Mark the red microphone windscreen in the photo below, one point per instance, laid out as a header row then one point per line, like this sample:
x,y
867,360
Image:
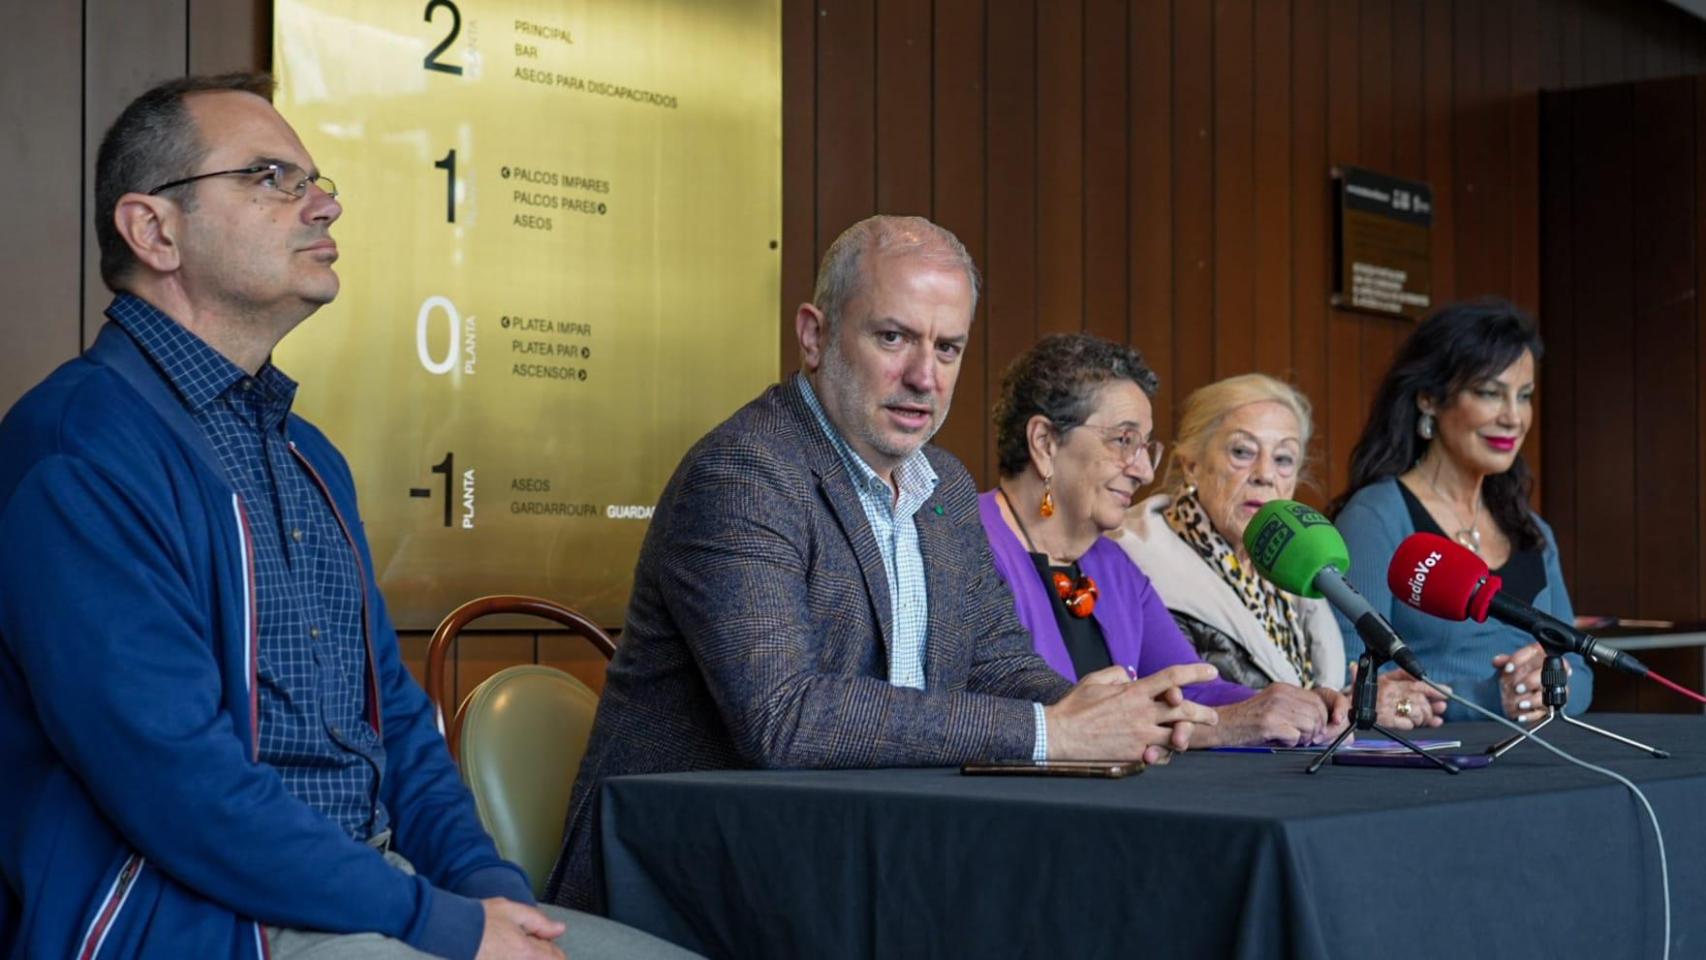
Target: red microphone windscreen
x,y
1437,577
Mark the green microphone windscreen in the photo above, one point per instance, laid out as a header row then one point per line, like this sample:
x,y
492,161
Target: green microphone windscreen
x,y
1290,542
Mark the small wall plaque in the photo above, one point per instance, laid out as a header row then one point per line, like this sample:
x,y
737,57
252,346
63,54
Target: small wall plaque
x,y
1381,249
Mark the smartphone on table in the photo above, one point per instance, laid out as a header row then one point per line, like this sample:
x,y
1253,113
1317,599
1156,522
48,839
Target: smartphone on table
x,y
1098,769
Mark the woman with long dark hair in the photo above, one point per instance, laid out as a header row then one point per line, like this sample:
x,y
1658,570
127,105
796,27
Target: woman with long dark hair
x,y
1440,453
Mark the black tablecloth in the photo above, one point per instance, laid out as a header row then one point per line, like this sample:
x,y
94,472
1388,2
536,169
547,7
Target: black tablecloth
x,y
1215,854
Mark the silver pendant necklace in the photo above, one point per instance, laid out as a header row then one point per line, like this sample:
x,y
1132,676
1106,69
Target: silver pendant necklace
x,y
1470,534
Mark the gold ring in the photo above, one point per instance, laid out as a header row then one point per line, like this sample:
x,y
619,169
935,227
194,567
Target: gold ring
x,y
1405,708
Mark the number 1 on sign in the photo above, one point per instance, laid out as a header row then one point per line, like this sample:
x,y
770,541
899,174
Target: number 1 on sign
x,y
447,163
447,466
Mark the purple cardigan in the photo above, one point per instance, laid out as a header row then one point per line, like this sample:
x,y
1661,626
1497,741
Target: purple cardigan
x,y
1139,630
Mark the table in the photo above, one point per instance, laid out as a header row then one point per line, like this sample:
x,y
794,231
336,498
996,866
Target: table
x,y
1673,651
1655,641
1213,855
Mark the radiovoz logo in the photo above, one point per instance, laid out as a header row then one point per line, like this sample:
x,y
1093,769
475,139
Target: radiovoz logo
x,y
1419,577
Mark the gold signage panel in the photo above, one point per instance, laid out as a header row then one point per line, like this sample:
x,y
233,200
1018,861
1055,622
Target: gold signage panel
x,y
559,264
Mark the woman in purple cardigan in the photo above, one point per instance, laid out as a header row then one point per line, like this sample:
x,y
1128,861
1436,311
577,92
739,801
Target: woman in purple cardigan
x,y
1073,430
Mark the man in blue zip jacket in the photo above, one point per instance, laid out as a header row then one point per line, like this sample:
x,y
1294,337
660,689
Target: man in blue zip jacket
x,y
210,745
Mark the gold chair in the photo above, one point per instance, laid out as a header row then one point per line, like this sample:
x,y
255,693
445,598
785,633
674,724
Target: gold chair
x,y
519,736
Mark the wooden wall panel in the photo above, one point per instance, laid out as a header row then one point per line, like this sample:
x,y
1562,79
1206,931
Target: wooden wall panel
x,y
846,176
1150,325
1438,47
124,53
1379,116
229,37
573,655
1273,188
800,244
1556,399
1524,188
1495,244
1474,129
1700,325
960,201
903,107
1601,192
1059,40
41,144
1010,189
1666,434
1193,197
1340,409
1106,158
1311,206
479,654
1234,219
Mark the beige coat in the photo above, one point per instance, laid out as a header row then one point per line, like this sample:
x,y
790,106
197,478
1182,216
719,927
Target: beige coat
x,y
1188,585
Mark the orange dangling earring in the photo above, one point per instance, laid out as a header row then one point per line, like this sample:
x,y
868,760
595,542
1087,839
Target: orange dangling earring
x,y
1047,508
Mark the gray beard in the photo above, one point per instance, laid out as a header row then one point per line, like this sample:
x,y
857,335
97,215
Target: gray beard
x,y
836,370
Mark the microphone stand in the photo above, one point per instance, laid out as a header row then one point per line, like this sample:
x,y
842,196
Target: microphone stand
x,y
1555,686
1364,699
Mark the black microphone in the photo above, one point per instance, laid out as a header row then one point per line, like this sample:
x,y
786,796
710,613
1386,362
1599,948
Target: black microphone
x,y
1555,633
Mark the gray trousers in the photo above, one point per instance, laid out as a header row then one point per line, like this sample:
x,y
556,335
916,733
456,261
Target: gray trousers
x,y
588,938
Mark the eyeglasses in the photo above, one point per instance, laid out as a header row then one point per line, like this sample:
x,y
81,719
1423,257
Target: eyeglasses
x,y
1128,445
287,178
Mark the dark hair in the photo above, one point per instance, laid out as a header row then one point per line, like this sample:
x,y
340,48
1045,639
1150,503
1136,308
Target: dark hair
x,y
153,141
1460,345
1058,379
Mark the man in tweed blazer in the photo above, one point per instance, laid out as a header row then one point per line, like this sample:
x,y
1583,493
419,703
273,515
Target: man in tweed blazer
x,y
816,589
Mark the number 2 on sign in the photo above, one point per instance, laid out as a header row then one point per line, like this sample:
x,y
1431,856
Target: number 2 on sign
x,y
430,62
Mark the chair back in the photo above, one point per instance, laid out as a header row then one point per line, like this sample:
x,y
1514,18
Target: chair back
x,y
524,732
451,627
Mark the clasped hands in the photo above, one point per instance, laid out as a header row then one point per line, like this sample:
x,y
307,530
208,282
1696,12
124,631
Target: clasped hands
x,y
1110,716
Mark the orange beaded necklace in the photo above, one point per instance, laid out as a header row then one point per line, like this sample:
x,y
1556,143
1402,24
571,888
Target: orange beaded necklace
x,y
1080,593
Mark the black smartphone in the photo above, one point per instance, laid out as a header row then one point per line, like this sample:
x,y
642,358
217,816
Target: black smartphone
x,y
1364,758
1100,769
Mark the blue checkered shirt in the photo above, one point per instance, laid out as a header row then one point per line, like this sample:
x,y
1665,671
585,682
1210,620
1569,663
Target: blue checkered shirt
x,y
314,728
891,519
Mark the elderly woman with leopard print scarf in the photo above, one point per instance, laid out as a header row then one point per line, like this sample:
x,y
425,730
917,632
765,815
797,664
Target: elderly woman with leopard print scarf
x,y
1241,443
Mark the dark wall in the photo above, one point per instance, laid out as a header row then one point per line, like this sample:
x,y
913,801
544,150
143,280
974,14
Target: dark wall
x,y
1623,177
1156,171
